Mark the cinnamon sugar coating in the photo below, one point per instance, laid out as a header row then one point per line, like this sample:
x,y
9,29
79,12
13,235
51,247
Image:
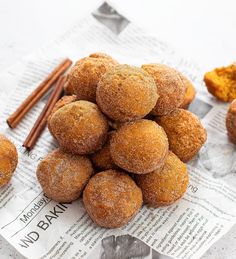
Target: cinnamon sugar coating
x,y
126,93
8,160
102,158
112,198
83,77
139,147
185,133
189,93
170,88
62,102
164,186
79,127
63,176
231,121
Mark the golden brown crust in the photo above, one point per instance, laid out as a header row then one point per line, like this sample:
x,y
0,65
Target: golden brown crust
x,y
83,77
221,82
102,158
164,186
8,160
189,93
79,127
63,176
170,88
185,133
126,93
62,102
139,147
231,121
101,55
112,198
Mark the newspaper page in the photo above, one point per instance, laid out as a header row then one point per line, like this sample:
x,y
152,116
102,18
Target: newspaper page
x,y
41,228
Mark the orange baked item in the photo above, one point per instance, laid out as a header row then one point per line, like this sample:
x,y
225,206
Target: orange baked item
x,y
189,93
164,186
170,88
102,158
79,127
62,102
185,133
231,121
126,93
221,82
112,199
63,176
8,160
139,147
83,77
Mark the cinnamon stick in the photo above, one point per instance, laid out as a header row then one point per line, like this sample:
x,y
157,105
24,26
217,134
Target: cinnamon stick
x,y
41,122
34,97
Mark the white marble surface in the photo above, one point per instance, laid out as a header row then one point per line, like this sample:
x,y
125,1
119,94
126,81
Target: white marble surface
x,y
200,30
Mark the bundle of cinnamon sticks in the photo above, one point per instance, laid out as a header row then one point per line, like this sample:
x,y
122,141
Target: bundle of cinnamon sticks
x,y
56,76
